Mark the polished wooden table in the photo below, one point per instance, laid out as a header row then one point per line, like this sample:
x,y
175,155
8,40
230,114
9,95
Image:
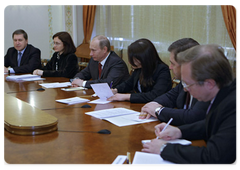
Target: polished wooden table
x,y
76,140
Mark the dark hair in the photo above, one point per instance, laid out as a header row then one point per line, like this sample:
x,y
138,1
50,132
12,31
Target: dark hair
x,y
208,62
181,45
103,41
20,31
68,44
144,51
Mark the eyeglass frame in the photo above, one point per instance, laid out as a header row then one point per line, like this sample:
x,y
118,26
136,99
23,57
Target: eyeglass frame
x,y
186,86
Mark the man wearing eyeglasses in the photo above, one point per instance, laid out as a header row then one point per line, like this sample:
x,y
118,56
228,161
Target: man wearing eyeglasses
x,y
207,76
23,57
177,103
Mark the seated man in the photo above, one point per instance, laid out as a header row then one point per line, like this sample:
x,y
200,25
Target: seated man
x,y
207,75
23,57
176,103
105,66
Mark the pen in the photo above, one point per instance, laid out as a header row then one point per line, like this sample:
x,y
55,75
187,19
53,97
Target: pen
x,y
129,158
111,84
166,125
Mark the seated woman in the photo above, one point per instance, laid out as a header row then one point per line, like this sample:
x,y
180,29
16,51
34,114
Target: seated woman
x,y
150,78
64,62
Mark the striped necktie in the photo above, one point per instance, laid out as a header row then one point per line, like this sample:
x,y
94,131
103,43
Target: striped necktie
x,y
19,58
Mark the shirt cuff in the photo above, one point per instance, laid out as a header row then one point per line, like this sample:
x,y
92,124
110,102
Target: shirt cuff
x,y
84,83
11,70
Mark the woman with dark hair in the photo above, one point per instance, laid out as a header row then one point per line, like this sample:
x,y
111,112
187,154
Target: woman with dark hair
x,y
150,78
64,62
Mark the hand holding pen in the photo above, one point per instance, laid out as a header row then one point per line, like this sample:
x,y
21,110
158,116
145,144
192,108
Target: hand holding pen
x,y
167,132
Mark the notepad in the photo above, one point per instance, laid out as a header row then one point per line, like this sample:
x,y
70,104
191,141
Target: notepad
x,y
120,116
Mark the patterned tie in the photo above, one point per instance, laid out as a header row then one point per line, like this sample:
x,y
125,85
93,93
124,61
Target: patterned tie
x,y
19,58
99,69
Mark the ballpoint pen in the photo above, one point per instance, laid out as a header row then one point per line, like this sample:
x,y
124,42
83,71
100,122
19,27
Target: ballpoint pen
x,y
111,84
166,125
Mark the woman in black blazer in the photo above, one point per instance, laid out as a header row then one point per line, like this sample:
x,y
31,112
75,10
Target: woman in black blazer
x,y
150,78
64,62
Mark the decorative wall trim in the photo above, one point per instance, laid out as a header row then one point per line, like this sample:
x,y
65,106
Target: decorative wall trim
x,y
50,30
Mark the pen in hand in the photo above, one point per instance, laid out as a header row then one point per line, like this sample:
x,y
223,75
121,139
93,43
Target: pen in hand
x,y
166,126
111,84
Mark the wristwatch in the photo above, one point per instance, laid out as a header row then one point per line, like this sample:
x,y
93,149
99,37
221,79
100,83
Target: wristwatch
x,y
158,110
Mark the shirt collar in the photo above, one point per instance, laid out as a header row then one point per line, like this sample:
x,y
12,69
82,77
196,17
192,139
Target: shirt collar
x,y
105,59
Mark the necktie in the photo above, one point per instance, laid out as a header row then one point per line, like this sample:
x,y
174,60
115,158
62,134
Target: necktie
x,y
187,100
99,69
19,58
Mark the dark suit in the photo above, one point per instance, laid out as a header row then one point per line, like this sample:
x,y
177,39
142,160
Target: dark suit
x,y
30,61
67,66
218,130
174,101
115,70
162,84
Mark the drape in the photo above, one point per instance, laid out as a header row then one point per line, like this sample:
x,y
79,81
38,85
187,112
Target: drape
x,y
229,15
88,21
83,50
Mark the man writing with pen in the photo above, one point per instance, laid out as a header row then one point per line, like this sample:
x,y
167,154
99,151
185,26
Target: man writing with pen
x,y
105,66
207,75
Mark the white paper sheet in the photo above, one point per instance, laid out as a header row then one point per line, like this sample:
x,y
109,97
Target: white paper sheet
x,y
22,77
55,85
73,100
148,158
103,91
120,159
120,116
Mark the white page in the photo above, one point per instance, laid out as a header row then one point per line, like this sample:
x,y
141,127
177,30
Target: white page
x,y
20,77
148,158
106,113
179,141
127,120
73,100
55,85
99,101
120,159
102,90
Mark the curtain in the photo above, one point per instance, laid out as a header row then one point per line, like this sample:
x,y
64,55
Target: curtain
x,y
124,24
229,15
83,50
88,21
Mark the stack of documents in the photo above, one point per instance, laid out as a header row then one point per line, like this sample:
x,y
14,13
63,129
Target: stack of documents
x,y
73,100
55,85
24,77
120,116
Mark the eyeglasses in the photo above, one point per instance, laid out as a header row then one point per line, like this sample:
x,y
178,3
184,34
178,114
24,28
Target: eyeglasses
x,y
186,86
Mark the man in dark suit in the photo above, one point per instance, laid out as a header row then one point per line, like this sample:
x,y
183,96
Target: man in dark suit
x,y
23,57
177,103
207,75
113,70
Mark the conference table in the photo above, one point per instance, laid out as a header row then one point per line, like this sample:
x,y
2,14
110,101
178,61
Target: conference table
x,y
76,140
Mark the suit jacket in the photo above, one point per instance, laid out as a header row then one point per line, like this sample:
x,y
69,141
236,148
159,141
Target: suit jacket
x,y
115,70
162,84
67,66
174,101
218,130
30,61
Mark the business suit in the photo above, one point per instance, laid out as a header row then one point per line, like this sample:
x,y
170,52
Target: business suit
x,y
114,70
173,103
162,84
218,130
30,60
67,66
